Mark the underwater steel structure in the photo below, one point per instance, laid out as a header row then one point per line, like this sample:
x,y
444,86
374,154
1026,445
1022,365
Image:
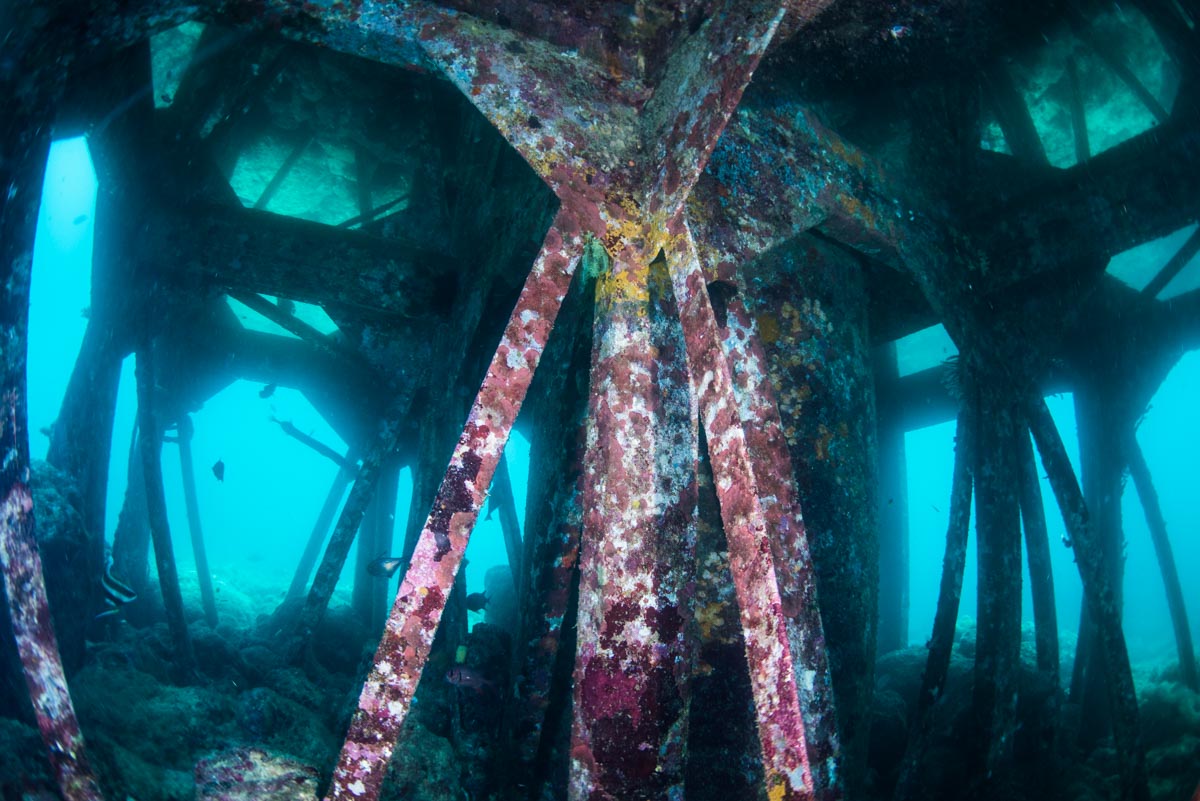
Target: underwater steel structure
x,y
668,190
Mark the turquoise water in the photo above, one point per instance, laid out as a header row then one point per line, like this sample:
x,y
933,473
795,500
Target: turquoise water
x,y
257,520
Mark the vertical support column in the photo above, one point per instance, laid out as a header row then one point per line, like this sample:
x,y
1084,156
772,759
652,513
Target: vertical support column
x,y
385,527
765,631
1102,471
1100,599
630,713
1037,549
351,518
809,303
150,444
1157,524
131,540
998,631
893,508
187,468
941,641
24,144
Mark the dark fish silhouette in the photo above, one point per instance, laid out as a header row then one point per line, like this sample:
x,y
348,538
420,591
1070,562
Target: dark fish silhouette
x,y
477,601
468,678
116,592
267,391
384,566
82,218
219,471
288,307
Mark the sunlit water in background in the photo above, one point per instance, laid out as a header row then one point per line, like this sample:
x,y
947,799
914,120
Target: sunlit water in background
x,y
258,519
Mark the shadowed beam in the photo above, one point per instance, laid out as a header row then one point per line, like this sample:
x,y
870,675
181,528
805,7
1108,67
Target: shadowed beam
x,y
502,493
388,691
941,641
1099,597
188,472
256,251
1140,472
150,445
781,726
293,324
1037,553
1172,268
316,538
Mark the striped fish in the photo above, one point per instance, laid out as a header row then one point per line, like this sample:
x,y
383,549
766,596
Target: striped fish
x,y
116,592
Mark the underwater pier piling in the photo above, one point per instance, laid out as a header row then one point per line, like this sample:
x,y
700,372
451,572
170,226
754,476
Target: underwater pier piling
x,y
998,527
774,476
150,446
754,252
349,522
639,498
312,548
506,505
187,469
24,144
1037,552
941,640
1101,600
1142,482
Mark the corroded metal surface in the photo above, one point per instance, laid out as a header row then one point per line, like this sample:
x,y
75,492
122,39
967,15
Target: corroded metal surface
x,y
773,471
388,691
764,625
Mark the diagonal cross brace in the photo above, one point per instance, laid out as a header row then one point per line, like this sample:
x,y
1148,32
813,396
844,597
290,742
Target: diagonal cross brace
x,y
408,636
765,627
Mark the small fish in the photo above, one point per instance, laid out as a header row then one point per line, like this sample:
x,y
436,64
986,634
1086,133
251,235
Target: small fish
x,y
116,592
477,601
219,471
86,312
80,220
267,391
898,32
384,566
468,678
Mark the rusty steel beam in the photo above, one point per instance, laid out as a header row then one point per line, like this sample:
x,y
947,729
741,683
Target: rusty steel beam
x,y
388,691
764,622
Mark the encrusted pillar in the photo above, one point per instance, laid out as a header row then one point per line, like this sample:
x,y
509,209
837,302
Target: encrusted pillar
x,y
633,659
998,628
810,308
24,144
